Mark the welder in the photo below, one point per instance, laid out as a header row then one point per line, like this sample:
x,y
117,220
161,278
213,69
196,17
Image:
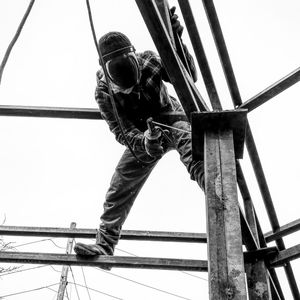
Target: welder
x,y
139,93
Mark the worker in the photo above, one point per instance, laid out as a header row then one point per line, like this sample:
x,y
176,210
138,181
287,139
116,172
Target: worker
x,y
136,80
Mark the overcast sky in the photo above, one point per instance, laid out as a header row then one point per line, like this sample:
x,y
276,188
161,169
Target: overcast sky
x,y
55,171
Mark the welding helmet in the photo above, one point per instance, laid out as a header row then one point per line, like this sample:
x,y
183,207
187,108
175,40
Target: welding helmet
x,y
119,59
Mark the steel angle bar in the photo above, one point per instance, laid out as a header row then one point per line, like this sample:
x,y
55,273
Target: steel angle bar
x,y
283,231
285,256
200,53
103,260
162,236
272,90
175,70
49,112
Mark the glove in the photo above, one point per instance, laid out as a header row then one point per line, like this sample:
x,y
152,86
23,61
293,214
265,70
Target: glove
x,y
177,27
153,147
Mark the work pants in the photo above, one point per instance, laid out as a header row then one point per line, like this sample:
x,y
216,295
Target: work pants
x,y
130,176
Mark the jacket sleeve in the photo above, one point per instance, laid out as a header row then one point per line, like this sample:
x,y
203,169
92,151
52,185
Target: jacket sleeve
x,y
133,135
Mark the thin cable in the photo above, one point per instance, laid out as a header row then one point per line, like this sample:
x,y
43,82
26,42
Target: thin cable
x,y
24,270
39,241
15,38
92,25
74,283
184,272
28,291
67,294
94,290
85,283
143,284
143,162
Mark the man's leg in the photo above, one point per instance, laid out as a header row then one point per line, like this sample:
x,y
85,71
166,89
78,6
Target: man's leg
x,y
128,179
183,143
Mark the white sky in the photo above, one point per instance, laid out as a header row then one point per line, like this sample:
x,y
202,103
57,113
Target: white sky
x,y
56,171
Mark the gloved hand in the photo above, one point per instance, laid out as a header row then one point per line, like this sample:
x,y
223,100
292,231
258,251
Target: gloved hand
x,y
153,147
177,27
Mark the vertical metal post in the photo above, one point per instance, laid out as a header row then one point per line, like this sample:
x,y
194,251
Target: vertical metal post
x,y
226,264
64,273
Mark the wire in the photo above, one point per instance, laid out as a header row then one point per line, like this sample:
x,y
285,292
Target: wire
x,y
144,285
19,271
67,294
39,241
74,282
92,25
94,290
28,291
184,272
143,162
85,283
15,38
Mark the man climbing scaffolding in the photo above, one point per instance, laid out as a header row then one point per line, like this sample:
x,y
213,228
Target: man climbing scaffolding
x,y
136,82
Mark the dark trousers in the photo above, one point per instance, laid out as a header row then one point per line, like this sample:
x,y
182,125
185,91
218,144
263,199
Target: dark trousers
x,y
130,176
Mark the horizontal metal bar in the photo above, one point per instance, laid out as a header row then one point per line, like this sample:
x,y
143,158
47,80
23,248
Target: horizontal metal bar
x,y
105,261
49,112
72,113
286,256
272,90
283,231
162,236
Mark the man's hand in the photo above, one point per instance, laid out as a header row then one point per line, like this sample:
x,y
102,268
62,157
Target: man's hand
x,y
177,27
153,147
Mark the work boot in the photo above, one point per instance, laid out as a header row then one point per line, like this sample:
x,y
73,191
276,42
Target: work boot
x,y
88,249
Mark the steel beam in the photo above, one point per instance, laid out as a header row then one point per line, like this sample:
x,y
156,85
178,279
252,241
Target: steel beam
x,y
140,235
272,90
236,98
285,256
283,231
104,261
199,51
179,77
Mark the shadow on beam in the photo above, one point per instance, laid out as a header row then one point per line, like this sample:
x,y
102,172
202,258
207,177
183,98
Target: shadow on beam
x,y
105,261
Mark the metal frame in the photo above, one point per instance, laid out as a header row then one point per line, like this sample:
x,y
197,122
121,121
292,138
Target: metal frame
x,y
192,101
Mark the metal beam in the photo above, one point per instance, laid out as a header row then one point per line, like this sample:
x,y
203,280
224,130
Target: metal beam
x,y
161,236
283,231
49,112
178,75
71,113
226,265
236,98
272,90
104,261
285,256
199,51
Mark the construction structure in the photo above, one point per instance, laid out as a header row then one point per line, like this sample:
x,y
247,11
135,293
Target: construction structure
x,y
218,137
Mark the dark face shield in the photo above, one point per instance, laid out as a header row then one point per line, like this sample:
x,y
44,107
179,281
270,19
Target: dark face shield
x,y
123,70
